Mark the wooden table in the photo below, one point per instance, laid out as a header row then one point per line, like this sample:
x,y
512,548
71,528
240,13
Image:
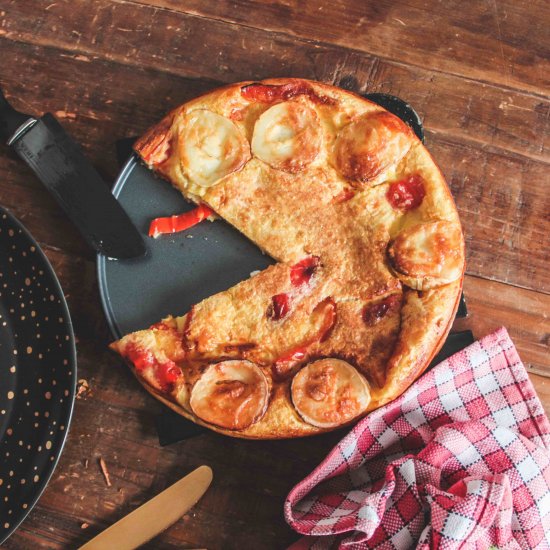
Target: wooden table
x,y
477,72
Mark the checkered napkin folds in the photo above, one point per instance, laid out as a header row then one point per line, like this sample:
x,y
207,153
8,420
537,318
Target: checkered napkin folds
x,y
461,460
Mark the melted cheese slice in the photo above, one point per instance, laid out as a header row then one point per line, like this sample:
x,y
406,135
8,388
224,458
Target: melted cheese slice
x,y
230,394
210,147
287,136
428,255
329,392
369,145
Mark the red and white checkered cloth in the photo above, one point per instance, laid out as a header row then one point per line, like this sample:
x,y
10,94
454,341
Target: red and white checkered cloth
x,y
460,460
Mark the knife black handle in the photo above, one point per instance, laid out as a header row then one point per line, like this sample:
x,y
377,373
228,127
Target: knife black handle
x,y
60,164
10,119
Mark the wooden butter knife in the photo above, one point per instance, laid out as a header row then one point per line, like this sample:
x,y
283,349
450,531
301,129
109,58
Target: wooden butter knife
x,y
154,516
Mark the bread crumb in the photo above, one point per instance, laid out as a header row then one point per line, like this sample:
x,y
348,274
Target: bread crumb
x,y
83,388
85,525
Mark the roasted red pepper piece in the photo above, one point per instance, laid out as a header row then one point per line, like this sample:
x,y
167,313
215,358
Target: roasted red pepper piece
x,y
374,313
264,93
140,358
175,224
269,93
165,374
279,308
284,366
296,354
301,273
407,193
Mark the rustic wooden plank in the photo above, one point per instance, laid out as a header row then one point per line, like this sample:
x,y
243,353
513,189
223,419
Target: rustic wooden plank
x,y
503,42
483,114
501,196
151,38
503,204
524,313
508,48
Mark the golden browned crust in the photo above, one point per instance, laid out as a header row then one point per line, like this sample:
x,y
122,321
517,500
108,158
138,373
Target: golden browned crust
x,y
335,215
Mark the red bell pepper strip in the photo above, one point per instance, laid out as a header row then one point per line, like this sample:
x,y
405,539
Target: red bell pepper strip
x,y
280,307
269,93
285,365
301,273
175,224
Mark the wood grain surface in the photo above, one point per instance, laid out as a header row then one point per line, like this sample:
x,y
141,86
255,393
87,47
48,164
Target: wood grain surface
x,y
476,71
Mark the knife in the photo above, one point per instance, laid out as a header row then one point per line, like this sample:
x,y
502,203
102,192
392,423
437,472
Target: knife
x,y
60,164
154,516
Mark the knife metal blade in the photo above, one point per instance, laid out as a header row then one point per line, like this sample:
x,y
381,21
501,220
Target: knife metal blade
x,y
60,164
154,516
